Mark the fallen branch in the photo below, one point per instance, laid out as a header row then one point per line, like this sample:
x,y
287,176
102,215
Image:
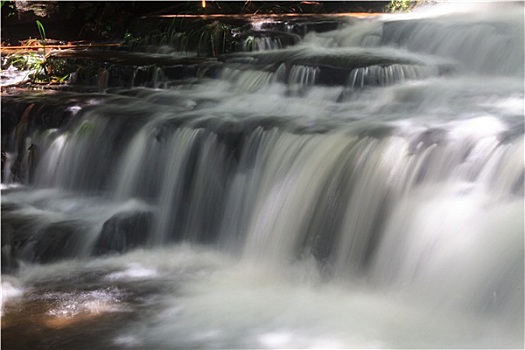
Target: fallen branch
x,y
267,15
32,48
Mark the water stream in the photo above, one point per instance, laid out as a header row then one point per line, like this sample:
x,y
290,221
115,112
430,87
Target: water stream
x,y
360,188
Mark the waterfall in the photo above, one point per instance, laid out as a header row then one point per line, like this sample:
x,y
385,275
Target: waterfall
x,y
359,187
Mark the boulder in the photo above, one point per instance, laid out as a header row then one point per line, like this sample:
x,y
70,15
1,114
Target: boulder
x,y
123,232
57,241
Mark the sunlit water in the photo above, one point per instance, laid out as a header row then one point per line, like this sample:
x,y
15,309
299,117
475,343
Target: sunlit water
x,y
278,205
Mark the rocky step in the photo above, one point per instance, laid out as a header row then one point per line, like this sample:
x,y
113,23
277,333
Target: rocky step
x,y
347,67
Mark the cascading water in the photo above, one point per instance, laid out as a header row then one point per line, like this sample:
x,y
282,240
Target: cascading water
x,y
362,188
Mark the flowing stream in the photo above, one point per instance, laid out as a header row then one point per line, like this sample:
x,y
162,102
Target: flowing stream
x,y
361,187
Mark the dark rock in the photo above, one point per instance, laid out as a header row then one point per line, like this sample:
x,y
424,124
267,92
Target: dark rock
x,y
123,232
56,242
18,231
9,263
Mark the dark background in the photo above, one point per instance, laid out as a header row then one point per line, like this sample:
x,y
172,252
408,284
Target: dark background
x,y
106,20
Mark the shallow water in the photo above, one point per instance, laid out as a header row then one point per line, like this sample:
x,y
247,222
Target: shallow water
x,y
181,297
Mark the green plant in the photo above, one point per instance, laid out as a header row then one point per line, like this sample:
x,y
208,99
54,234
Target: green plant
x,y
42,64
39,66
132,40
218,32
9,7
211,38
42,32
28,61
402,5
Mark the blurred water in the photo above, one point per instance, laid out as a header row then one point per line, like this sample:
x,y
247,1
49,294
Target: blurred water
x,y
360,189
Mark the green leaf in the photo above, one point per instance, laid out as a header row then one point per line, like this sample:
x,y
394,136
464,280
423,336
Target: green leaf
x,y
61,80
41,30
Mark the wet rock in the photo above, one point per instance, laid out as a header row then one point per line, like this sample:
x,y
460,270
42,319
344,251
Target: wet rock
x,y
55,114
57,241
29,238
9,263
354,67
265,40
343,59
17,232
123,232
12,110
